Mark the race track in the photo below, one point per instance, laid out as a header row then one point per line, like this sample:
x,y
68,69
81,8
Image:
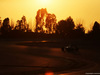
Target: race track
x,y
37,58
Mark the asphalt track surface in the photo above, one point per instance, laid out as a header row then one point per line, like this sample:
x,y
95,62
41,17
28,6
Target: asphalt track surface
x,y
41,57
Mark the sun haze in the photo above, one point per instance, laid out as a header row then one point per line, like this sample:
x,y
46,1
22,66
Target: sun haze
x,y
43,2
85,11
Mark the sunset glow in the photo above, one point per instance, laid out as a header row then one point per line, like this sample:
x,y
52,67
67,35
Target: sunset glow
x,y
86,11
49,73
44,2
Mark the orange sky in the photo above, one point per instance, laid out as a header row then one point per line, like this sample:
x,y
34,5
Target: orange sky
x,y
83,11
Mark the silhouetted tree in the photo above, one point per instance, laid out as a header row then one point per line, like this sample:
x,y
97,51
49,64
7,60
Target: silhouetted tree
x,y
19,25
80,28
6,27
70,24
40,19
96,27
0,25
0,22
22,25
24,20
79,31
51,23
45,22
95,32
65,27
61,27
12,25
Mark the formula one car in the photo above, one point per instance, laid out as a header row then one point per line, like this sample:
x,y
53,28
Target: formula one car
x,y
70,48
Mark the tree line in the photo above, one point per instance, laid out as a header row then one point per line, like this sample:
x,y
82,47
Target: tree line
x,y
46,23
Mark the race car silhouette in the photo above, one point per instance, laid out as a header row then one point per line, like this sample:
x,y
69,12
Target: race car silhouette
x,y
70,48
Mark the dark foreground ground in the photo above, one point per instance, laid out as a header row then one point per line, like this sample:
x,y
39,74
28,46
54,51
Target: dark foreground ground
x,y
43,57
